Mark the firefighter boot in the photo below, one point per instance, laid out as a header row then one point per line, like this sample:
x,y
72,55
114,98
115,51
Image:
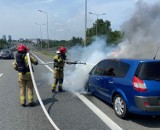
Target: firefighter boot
x,y
60,89
23,105
60,85
32,104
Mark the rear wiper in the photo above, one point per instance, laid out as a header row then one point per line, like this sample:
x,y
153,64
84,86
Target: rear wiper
x,y
152,79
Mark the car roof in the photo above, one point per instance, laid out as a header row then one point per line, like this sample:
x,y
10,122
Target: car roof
x,y
134,59
134,62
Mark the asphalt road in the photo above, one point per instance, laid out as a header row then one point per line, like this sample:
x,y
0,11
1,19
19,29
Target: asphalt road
x,y
66,109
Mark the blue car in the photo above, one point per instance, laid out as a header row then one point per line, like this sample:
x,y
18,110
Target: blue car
x,y
130,85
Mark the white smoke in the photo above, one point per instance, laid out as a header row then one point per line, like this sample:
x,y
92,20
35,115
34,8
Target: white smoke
x,y
141,40
142,32
77,75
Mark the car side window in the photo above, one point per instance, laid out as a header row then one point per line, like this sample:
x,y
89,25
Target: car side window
x,y
93,70
123,69
111,68
100,68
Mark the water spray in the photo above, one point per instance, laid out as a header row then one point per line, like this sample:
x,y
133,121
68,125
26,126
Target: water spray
x,y
45,63
67,62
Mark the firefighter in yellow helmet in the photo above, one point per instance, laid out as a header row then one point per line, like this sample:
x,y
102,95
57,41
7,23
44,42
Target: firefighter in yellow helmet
x,y
59,62
25,81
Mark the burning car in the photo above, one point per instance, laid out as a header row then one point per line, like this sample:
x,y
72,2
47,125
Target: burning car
x,y
130,85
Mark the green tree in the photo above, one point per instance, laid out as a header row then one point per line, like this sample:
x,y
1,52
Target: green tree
x,y
99,28
103,29
75,41
114,37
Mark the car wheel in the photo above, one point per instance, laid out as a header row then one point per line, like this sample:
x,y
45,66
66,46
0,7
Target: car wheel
x,y
120,106
86,87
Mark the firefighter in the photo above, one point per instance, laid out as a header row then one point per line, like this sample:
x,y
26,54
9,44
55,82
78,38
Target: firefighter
x,y
25,81
59,62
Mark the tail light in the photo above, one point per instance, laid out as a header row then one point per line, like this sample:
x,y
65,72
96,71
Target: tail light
x,y
138,84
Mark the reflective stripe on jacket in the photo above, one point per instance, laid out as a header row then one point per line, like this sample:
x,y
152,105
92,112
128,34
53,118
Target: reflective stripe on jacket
x,y
58,61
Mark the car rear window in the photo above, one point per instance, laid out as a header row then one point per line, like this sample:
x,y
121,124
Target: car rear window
x,y
149,71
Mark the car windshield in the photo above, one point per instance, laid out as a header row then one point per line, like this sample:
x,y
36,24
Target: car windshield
x,y
149,71
5,51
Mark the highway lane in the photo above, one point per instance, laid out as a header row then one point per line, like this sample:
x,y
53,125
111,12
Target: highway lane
x,y
67,110
12,115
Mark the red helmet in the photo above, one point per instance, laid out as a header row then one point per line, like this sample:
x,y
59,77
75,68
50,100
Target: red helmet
x,y
62,50
22,48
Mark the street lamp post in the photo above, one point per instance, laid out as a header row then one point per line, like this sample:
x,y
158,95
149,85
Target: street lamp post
x,y
40,31
97,19
47,25
85,23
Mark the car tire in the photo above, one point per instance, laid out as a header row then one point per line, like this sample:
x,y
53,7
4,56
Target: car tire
x,y
120,106
86,87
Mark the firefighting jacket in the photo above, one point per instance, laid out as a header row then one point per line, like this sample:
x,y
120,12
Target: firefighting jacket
x,y
59,60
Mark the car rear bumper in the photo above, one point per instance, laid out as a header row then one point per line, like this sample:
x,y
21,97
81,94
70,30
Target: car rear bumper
x,y
150,104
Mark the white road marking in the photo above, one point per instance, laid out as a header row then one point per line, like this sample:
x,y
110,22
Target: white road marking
x,y
99,113
111,124
43,62
1,75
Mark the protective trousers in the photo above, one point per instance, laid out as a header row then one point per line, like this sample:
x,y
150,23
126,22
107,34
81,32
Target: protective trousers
x,y
58,78
26,87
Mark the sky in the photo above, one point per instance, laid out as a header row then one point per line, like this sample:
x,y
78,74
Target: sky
x,y
66,18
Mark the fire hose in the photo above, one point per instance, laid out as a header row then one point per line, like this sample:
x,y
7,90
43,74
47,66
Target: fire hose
x,y
67,62
38,96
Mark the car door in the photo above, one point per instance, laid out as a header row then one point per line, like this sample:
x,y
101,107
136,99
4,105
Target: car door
x,y
96,76
107,80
